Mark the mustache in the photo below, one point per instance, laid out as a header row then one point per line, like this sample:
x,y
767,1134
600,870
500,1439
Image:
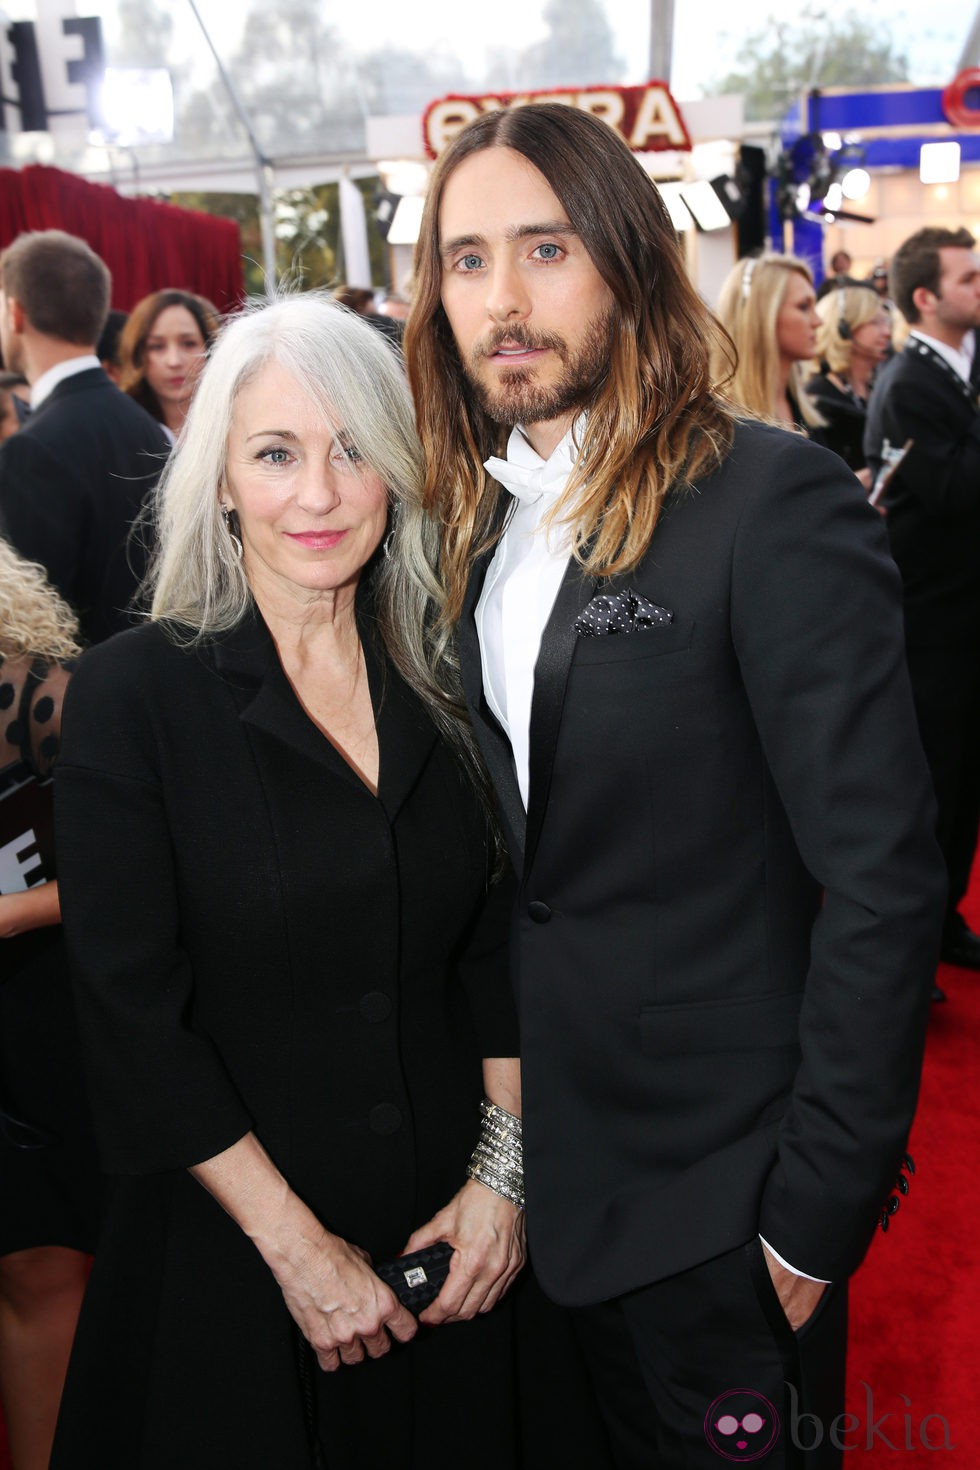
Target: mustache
x,y
519,336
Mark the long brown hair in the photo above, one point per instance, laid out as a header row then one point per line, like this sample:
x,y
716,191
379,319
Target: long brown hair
x,y
653,422
136,332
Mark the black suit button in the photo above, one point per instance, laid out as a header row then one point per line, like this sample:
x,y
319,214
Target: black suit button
x,y
538,911
385,1119
375,1006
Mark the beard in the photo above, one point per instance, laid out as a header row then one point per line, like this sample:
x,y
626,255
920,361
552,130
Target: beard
x,y
518,397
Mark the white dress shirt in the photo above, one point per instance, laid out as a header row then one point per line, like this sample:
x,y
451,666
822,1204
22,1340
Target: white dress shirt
x,y
48,382
960,359
521,585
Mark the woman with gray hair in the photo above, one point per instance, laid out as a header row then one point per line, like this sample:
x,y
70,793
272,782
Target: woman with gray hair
x,y
288,951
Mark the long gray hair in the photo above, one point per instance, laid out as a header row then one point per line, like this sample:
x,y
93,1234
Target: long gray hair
x,y
352,374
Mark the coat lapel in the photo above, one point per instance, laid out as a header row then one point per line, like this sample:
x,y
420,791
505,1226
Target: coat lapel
x,y
247,658
406,734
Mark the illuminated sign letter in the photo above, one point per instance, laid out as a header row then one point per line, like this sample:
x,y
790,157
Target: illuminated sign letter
x,y
657,118
445,119
607,105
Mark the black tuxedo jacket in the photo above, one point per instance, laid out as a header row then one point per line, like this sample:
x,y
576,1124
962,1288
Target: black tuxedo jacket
x,y
72,482
933,500
731,894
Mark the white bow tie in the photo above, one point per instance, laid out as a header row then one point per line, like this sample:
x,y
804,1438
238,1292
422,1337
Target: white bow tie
x,y
528,485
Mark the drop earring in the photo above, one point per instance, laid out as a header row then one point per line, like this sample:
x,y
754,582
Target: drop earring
x,y
392,527
230,518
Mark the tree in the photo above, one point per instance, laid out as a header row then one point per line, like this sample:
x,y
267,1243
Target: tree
x,y
144,37
816,48
297,81
577,52
308,247
395,80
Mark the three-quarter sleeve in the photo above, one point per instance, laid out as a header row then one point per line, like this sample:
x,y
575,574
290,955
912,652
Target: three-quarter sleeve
x,y
161,1095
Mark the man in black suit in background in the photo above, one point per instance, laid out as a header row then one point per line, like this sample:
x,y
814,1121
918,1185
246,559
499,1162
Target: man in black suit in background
x,y
928,394
75,477
681,646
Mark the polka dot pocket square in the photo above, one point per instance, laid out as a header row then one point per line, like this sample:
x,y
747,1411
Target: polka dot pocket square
x,y
620,612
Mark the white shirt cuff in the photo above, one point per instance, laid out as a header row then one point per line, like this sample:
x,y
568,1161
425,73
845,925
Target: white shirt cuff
x,y
787,1267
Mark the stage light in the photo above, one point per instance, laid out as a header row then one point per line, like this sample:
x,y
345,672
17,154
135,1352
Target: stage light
x,y
680,215
406,221
939,163
707,208
855,183
403,175
137,105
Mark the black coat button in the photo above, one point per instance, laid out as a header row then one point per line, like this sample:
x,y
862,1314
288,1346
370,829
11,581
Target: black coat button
x,y
385,1119
375,1006
538,911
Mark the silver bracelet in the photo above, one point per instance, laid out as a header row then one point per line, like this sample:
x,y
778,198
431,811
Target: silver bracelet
x,y
498,1159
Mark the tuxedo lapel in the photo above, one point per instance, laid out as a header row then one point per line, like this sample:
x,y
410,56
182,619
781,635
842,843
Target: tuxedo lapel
x,y
550,678
493,743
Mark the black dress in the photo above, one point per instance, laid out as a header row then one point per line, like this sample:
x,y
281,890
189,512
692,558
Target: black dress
x,y
845,416
259,942
49,1176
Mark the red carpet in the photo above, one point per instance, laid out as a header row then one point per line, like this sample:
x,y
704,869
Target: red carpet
x,y
916,1299
915,1303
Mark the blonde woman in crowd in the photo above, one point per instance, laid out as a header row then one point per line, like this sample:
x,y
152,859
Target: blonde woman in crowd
x,y
853,339
48,1171
768,307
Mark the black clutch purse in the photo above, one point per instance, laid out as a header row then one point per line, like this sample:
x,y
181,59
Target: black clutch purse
x,y
416,1279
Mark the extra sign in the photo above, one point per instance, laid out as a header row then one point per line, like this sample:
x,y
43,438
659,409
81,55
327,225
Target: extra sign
x,y
647,117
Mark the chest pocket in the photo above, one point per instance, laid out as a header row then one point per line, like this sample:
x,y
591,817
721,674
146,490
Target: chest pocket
x,y
656,642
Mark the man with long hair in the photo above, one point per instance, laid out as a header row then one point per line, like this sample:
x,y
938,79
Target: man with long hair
x,y
680,638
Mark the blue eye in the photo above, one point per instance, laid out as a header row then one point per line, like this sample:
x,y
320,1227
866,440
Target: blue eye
x,y
275,456
346,453
470,263
548,251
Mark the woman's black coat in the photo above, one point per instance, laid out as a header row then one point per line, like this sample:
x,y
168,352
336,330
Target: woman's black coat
x,y
258,942
844,419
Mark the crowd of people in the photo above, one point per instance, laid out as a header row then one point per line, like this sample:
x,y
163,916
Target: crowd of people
x,y
457,817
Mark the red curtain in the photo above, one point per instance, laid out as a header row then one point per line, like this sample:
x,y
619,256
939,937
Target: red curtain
x,y
147,246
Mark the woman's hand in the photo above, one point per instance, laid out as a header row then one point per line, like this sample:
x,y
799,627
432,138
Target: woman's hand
x,y
487,1233
342,1308
33,909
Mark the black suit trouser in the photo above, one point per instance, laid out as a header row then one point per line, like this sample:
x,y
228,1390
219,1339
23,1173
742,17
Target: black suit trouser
x,y
946,690
702,1370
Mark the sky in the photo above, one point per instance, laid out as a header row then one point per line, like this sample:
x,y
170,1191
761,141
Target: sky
x,y
705,37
